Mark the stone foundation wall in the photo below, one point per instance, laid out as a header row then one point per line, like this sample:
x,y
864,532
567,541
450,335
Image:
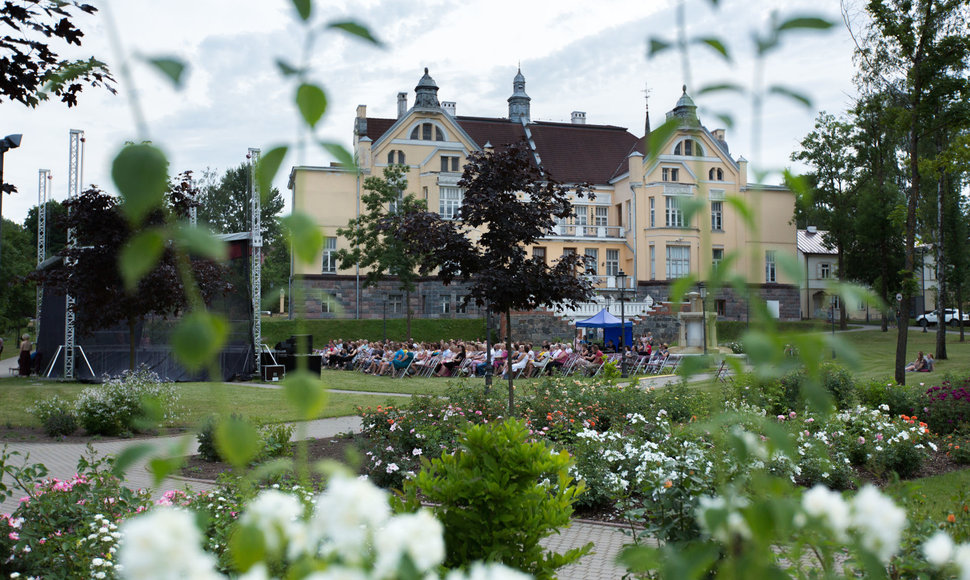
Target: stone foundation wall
x,y
735,306
337,297
540,326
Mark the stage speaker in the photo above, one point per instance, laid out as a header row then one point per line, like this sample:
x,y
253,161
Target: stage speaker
x,y
273,372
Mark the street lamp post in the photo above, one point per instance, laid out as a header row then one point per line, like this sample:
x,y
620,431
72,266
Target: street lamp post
x,y
703,293
9,142
621,281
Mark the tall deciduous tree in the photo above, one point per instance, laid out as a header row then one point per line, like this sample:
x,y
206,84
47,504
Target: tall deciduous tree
x,y
880,207
375,244
509,204
95,280
19,258
225,204
29,66
56,226
913,44
828,149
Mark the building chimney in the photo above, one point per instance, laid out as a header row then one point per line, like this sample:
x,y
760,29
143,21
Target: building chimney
x,y
579,117
402,104
449,107
718,134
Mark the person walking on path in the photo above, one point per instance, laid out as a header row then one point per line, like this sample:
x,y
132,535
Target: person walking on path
x,y
24,360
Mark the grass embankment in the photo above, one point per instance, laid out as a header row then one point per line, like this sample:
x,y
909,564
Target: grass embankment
x,y
197,400
275,330
876,352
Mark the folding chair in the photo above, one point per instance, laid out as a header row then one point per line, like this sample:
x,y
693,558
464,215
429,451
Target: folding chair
x,y
403,370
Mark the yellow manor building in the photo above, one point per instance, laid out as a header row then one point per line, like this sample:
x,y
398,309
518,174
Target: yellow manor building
x,y
635,224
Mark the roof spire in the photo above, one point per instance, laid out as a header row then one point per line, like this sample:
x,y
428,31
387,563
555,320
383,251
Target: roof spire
x,y
426,93
646,110
519,107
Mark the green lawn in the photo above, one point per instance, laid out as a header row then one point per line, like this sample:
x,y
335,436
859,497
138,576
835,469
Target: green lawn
x,y
354,381
877,353
933,498
197,400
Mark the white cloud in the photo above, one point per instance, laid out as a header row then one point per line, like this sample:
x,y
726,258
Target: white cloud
x,y
575,55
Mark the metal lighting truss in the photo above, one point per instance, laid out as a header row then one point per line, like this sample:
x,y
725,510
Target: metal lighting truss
x,y
74,176
43,195
256,245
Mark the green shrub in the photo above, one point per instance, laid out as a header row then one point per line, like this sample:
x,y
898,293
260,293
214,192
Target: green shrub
x,y
118,406
207,440
60,424
56,415
274,439
835,380
682,402
67,528
901,399
498,496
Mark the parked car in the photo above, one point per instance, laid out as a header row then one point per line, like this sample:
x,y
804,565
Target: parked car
x,y
951,316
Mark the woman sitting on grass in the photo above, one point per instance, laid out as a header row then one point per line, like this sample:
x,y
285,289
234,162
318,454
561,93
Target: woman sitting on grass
x,y
917,365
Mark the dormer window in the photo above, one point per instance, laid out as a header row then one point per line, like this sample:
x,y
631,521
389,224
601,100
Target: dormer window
x,y
715,174
689,148
427,132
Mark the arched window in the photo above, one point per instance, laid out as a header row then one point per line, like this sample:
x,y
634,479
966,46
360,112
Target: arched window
x,y
720,174
395,156
427,132
390,158
715,174
689,147
711,174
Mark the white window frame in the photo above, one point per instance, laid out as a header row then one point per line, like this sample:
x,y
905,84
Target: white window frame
x,y
612,262
678,261
673,213
771,269
653,214
602,216
592,255
395,304
824,271
717,216
450,200
329,262
671,174
717,256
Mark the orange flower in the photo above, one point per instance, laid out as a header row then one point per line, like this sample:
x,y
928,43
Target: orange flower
x,y
951,518
668,483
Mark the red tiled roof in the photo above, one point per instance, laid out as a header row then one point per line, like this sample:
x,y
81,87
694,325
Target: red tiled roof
x,y
570,153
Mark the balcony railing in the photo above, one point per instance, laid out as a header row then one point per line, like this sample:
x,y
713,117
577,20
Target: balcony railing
x,y
587,309
610,282
574,231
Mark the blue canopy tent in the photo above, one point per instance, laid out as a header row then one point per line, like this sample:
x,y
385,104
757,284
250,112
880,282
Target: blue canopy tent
x,y
611,327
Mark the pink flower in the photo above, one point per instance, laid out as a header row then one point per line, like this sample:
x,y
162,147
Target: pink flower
x,y
810,420
781,417
792,414
862,440
878,436
13,536
807,433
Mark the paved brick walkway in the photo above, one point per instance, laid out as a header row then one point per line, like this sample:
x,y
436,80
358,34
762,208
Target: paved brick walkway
x,y
61,461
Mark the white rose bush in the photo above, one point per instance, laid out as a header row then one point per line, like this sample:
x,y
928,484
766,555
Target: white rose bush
x,y
347,531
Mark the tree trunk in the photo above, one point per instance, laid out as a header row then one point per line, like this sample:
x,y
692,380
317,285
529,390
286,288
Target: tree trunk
x,y
508,359
903,328
132,322
407,311
940,270
842,316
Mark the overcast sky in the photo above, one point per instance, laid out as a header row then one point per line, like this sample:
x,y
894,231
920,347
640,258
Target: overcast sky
x,y
575,55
